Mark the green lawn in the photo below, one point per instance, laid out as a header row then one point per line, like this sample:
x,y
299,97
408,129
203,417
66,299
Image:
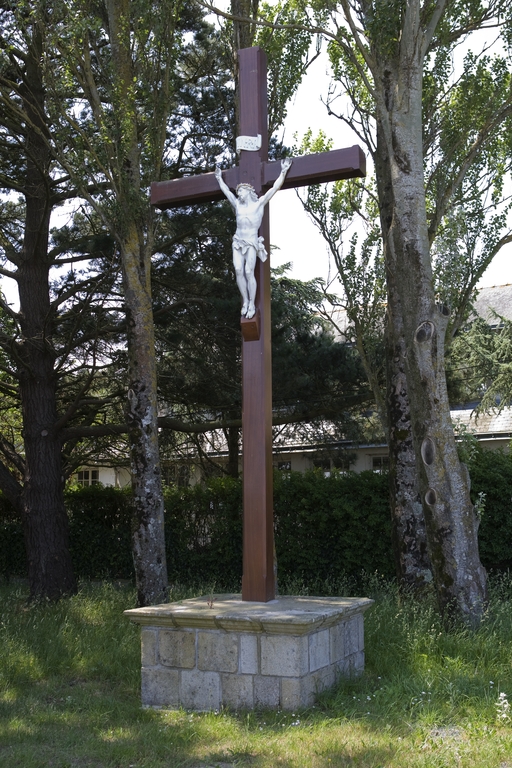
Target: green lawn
x,y
69,694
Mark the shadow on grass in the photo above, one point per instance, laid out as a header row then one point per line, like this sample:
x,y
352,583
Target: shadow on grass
x,y
69,693
71,723
87,725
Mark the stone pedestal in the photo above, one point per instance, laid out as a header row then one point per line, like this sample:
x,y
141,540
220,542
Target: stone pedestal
x,y
203,655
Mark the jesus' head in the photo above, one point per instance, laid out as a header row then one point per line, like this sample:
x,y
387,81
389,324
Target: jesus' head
x,y
244,191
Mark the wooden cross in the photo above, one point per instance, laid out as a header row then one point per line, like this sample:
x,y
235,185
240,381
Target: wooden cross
x,y
258,582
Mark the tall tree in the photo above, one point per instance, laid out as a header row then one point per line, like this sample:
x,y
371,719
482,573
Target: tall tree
x,y
52,347
391,50
391,47
475,230
360,268
122,57
45,525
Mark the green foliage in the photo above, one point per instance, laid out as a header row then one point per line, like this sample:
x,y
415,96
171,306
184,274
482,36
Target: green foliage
x,y
479,366
287,53
100,525
384,19
327,527
491,474
13,560
465,246
204,532
491,493
197,315
359,263
312,374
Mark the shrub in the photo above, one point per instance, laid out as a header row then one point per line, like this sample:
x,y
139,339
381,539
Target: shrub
x,y
100,532
13,561
329,527
326,528
204,532
491,474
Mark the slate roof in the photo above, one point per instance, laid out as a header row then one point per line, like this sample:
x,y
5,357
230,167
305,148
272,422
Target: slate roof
x,y
497,298
497,424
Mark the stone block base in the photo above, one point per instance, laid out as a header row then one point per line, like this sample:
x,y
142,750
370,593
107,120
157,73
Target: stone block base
x,y
202,655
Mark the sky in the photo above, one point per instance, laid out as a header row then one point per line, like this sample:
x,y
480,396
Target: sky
x,y
293,235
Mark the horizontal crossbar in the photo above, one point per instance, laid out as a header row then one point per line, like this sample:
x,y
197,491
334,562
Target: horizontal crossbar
x,y
305,170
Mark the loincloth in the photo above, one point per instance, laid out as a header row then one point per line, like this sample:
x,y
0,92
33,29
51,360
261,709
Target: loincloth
x,y
243,246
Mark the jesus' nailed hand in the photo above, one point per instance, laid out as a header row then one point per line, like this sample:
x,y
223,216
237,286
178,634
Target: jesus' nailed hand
x,y
247,245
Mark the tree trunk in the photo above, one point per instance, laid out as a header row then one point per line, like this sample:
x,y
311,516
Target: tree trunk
x,y
44,514
412,561
451,523
243,33
132,230
233,441
148,504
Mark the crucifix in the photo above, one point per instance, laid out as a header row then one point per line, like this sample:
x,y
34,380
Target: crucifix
x,y
258,581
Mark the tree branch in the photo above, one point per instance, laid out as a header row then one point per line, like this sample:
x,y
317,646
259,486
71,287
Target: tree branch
x,y
166,422
483,135
432,26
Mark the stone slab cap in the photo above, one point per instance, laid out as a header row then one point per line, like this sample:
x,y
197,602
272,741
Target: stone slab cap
x,y
284,615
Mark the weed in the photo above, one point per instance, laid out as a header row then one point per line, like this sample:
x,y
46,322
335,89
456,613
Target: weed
x,y
70,676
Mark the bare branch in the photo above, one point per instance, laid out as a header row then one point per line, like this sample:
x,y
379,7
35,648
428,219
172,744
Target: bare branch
x,y
432,26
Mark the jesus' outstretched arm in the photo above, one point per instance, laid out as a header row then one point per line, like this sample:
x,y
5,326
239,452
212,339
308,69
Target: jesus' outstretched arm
x,y
278,183
222,184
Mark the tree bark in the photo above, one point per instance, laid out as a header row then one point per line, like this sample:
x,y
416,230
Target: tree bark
x,y
142,412
233,441
42,502
412,561
132,230
451,523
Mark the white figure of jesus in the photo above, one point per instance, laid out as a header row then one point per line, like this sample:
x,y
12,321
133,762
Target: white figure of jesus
x,y
247,246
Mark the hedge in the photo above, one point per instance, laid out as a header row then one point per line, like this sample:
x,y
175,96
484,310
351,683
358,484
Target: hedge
x,y
491,475
326,528
331,527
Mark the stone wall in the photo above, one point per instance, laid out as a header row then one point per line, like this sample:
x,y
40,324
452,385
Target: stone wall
x,y
202,655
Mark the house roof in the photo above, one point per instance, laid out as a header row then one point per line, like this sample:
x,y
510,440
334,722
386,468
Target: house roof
x,y
495,299
484,425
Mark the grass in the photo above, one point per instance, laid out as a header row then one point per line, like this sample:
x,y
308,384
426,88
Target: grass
x,y
69,694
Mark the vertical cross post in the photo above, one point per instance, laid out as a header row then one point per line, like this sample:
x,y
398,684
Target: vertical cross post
x,y
258,582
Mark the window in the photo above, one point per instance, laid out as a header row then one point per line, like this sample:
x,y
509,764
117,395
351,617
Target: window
x,y
343,464
380,463
88,477
324,465
176,474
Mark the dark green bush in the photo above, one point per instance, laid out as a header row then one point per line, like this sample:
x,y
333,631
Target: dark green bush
x,y
326,528
204,532
330,527
13,561
100,532
491,474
